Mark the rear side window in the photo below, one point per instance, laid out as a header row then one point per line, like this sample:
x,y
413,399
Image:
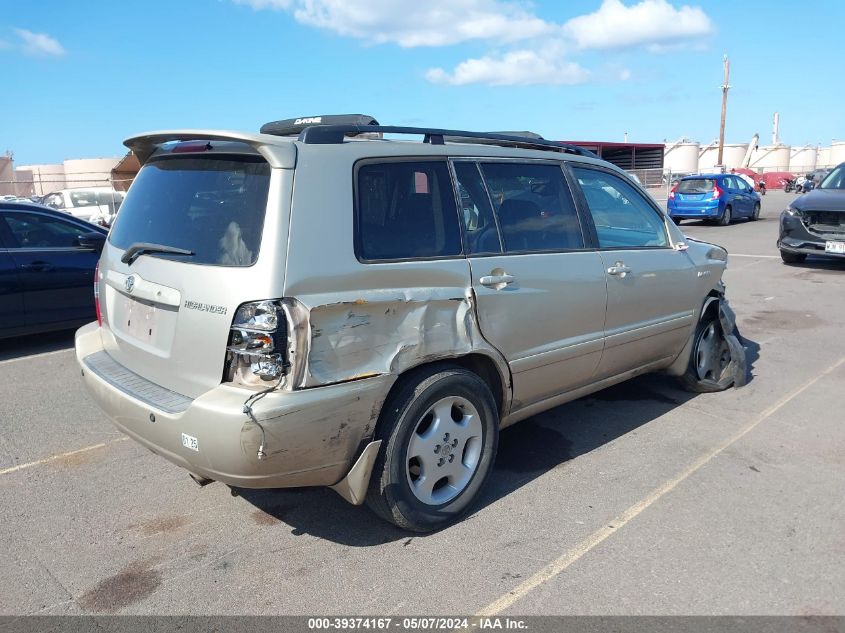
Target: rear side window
x,y
83,198
213,206
695,185
406,210
534,207
34,230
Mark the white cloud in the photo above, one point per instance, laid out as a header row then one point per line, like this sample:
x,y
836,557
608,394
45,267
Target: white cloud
x,y
426,23
39,43
516,68
616,25
265,4
530,50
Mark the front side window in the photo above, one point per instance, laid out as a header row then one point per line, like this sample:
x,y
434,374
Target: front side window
x,y
623,217
406,210
534,207
33,230
482,235
213,206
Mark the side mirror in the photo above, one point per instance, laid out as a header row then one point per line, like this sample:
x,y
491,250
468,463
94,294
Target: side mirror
x,y
92,241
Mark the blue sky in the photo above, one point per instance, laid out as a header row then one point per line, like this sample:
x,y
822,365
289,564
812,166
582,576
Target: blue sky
x,y
78,77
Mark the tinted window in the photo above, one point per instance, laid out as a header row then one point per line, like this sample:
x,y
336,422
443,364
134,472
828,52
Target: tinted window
x,y
110,199
83,198
695,185
482,235
623,217
406,210
213,206
534,207
33,230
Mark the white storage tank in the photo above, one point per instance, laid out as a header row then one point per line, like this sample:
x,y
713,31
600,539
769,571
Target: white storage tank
x,y
681,157
732,156
803,159
89,172
823,159
837,153
770,158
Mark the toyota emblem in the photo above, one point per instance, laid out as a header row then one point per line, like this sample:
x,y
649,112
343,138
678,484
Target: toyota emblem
x,y
129,283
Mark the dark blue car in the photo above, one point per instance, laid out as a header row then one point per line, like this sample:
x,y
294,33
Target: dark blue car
x,y
47,262
719,198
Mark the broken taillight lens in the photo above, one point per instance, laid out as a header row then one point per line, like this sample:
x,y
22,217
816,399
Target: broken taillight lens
x,y
257,346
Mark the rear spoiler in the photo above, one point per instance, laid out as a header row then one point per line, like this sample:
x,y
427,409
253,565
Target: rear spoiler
x,y
279,153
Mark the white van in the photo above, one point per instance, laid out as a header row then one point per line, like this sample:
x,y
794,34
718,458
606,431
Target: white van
x,y
94,204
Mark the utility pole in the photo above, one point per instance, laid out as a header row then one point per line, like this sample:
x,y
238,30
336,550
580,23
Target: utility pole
x,y
725,87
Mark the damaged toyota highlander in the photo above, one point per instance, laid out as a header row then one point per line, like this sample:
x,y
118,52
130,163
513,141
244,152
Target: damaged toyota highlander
x,y
323,304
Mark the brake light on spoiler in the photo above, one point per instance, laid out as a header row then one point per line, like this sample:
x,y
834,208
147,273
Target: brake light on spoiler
x,y
186,147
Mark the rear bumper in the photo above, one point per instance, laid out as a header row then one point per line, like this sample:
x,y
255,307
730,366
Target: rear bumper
x,y
312,436
707,211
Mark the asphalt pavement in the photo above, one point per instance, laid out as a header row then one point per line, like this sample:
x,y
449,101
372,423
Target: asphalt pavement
x,y
641,499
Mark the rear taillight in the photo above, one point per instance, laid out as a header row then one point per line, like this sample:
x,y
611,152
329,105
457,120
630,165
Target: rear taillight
x,y
717,193
97,294
672,193
257,346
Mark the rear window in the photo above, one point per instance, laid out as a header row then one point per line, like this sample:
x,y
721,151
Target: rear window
x,y
213,206
695,185
406,210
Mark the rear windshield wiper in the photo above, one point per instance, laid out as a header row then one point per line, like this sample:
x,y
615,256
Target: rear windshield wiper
x,y
143,248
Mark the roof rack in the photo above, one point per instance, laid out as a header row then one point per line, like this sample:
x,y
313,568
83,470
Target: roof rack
x,y
292,127
334,134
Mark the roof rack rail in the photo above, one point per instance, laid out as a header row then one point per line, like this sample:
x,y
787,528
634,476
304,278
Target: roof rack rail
x,y
334,134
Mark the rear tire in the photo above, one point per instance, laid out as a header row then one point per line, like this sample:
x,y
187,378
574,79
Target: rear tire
x,y
677,220
792,258
709,359
726,216
439,432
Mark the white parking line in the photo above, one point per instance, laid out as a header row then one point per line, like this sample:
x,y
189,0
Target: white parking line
x,y
31,356
53,458
557,566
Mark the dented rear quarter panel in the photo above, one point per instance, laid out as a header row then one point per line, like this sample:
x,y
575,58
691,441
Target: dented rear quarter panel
x,y
368,319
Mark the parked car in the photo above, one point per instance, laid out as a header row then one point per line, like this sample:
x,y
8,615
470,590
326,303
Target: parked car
x,y
374,331
718,198
47,262
98,205
814,223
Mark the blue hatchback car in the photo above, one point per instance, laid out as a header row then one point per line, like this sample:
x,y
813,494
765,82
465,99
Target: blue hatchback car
x,y
718,198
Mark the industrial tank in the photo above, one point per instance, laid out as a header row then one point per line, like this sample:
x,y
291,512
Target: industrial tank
x,y
89,172
732,156
771,158
803,159
681,157
837,153
823,159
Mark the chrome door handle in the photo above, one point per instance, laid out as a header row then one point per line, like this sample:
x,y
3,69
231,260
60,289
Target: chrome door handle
x,y
497,281
619,268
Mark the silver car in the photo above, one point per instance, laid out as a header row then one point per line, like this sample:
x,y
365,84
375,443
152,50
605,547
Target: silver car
x,y
319,305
